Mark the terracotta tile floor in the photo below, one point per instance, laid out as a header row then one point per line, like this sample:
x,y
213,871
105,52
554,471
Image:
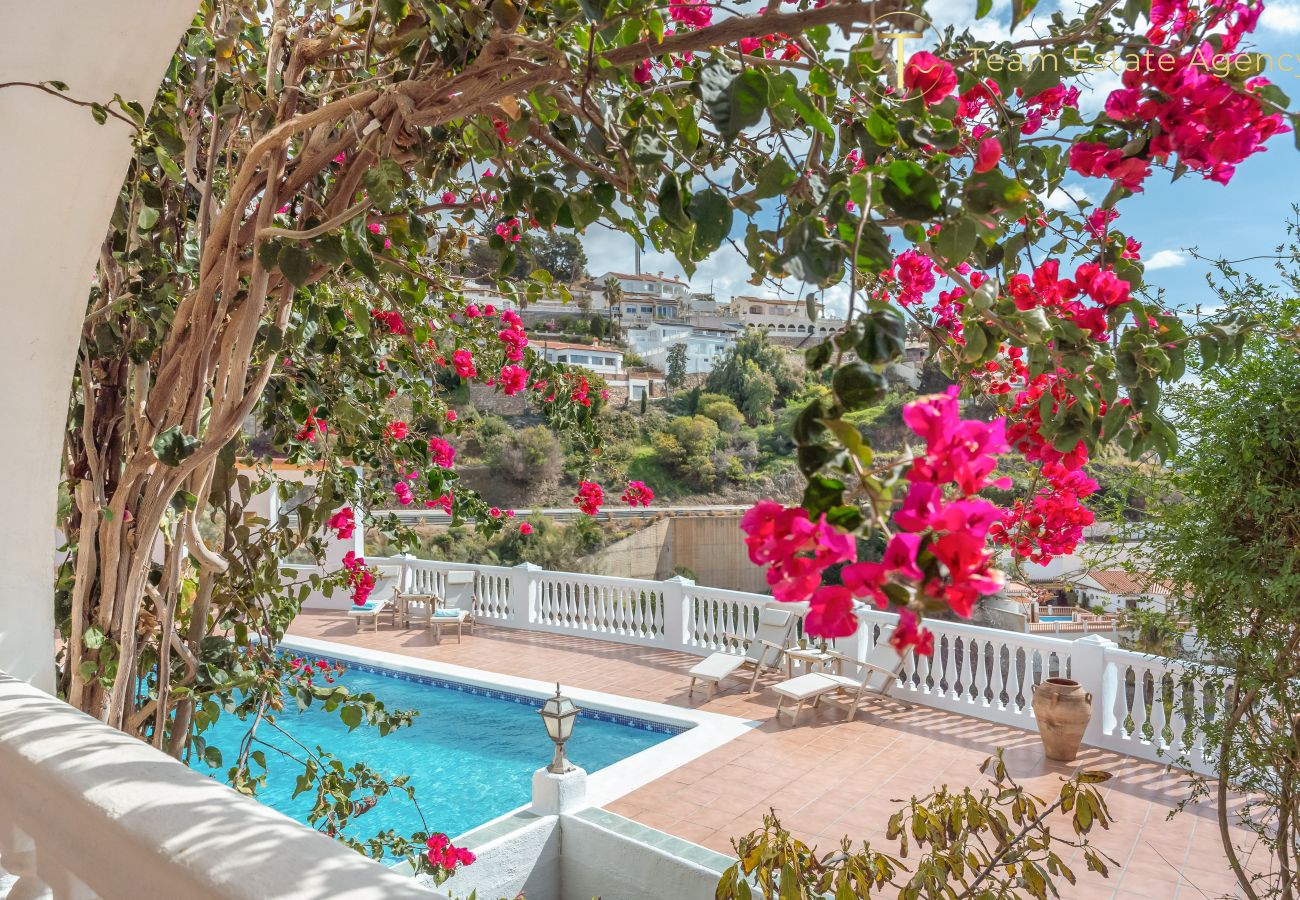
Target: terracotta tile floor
x,y
828,778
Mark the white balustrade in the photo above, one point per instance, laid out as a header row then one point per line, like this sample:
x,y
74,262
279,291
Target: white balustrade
x,y
1141,704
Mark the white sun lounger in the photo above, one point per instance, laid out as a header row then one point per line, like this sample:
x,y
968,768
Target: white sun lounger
x,y
873,680
775,628
388,580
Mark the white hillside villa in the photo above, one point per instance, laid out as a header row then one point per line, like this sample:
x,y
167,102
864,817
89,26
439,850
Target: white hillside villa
x,y
782,318
1117,589
704,346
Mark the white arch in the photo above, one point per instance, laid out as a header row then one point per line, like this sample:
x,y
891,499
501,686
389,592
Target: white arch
x,y
59,175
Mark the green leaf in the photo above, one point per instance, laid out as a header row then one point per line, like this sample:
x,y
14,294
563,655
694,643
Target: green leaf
x,y
715,93
858,386
711,212
295,263
956,240
382,181
94,638
648,149
911,191
671,208
811,114
1020,9
148,218
884,335
173,446
983,8
268,254
775,176
748,100
359,255
350,716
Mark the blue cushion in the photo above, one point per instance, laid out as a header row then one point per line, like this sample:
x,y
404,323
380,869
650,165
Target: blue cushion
x,y
366,607
446,613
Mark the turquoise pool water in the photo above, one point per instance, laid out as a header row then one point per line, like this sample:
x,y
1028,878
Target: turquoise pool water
x,y
471,753
1056,618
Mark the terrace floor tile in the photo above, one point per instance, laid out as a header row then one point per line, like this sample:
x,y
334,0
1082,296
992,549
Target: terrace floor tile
x,y
828,777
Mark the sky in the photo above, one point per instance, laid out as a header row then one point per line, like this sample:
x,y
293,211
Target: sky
x,y
1244,218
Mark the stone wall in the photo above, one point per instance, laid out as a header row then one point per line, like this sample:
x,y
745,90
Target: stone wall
x,y
642,554
709,546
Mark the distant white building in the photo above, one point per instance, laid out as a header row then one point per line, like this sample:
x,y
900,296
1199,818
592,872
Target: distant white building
x,y
651,285
1118,590
782,318
484,295
598,358
640,309
703,346
602,360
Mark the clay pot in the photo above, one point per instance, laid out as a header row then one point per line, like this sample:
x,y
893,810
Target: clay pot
x,y
1063,709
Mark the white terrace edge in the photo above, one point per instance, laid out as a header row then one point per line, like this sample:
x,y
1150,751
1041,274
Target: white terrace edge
x,y
706,731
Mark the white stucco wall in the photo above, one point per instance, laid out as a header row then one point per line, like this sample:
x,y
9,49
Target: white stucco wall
x,y
59,175
598,862
526,859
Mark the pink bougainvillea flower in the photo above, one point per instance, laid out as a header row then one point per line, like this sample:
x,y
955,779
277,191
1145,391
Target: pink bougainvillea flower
x,y
589,498
343,523
931,77
403,492
463,362
513,380
525,528
311,427
441,453
637,494
390,319
908,634
691,13
451,415
396,430
642,73
515,341
448,197
988,154
830,613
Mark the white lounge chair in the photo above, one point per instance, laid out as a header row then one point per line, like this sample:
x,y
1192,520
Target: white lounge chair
x,y
460,595
873,680
383,596
775,629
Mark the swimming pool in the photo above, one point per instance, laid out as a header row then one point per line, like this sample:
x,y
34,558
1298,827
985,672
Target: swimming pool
x,y
471,752
1056,618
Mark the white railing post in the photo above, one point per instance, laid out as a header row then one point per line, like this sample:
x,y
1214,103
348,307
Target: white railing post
x,y
523,594
676,615
18,856
1089,667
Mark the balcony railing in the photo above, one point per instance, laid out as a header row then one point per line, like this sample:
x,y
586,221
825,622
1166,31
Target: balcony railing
x,y
86,811
1142,705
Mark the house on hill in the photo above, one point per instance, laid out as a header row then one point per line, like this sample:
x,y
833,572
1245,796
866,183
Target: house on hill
x,y
1117,589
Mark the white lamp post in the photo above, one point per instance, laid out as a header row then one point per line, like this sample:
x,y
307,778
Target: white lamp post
x,y
558,714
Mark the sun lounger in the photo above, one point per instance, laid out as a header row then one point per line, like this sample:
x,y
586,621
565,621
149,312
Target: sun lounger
x,y
775,630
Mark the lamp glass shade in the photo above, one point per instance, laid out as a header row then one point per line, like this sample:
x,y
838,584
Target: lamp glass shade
x,y
558,713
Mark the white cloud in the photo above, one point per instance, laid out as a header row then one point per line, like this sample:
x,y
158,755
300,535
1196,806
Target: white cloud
x,y
1166,259
1067,197
1281,17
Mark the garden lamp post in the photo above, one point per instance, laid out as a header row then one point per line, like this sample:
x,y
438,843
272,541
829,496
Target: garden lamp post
x,y
557,714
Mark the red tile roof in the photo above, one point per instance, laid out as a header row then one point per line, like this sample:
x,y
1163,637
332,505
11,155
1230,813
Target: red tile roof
x,y
1117,581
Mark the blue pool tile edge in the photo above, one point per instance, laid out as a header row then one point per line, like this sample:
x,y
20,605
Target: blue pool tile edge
x,y
525,700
